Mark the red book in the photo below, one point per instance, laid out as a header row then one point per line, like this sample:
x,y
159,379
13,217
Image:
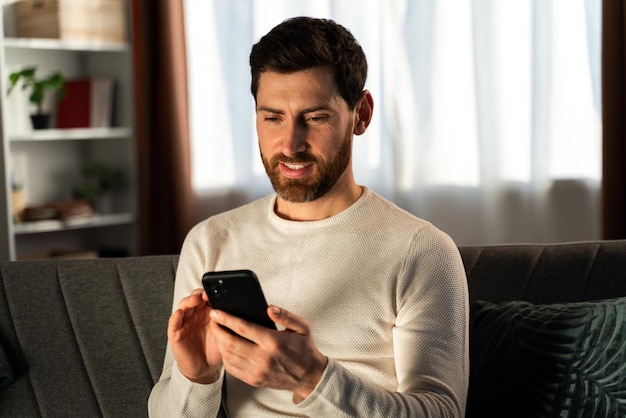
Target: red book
x,y
74,110
87,104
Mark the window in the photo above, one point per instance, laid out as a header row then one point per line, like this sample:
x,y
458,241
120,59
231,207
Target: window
x,y
480,97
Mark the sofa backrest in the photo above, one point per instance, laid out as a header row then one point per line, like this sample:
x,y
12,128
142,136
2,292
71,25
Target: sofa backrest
x,y
88,339
548,273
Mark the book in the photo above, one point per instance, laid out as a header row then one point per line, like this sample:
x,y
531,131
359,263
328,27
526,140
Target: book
x,y
88,103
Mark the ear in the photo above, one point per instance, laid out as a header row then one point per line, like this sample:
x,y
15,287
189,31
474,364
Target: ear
x,y
363,112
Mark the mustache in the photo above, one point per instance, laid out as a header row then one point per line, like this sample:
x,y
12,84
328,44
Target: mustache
x,y
300,158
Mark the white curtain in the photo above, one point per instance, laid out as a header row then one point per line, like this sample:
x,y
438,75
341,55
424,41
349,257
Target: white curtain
x,y
487,112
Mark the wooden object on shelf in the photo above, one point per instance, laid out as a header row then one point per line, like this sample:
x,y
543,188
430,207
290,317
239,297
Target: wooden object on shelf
x,y
38,213
85,20
72,210
88,103
62,211
18,204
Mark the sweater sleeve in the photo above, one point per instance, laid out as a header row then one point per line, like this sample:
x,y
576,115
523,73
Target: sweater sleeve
x,y
174,395
430,340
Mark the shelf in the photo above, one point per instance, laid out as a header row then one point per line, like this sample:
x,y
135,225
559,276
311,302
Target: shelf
x,y
71,134
62,45
54,225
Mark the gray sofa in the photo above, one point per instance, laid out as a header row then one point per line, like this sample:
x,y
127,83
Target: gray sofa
x,y
86,338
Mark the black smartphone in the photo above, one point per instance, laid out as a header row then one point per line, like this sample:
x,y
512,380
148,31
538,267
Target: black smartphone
x,y
239,293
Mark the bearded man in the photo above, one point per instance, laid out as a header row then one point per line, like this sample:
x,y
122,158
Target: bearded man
x,y
370,301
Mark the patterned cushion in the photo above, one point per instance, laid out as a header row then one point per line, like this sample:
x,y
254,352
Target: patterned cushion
x,y
548,360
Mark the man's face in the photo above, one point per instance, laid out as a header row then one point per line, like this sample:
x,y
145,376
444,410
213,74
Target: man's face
x,y
305,132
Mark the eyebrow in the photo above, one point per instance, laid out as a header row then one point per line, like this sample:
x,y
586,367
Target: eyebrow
x,y
267,109
302,112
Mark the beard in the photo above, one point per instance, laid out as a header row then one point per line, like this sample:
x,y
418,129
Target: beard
x,y
318,182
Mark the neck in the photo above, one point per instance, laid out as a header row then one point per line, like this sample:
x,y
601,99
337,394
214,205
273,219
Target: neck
x,y
338,199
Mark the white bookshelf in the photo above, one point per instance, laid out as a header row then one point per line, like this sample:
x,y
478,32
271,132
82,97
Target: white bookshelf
x,y
48,162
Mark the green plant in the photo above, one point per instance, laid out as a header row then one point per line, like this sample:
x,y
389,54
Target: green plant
x,y
99,178
36,86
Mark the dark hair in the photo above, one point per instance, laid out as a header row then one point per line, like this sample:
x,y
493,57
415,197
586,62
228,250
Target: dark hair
x,y
301,43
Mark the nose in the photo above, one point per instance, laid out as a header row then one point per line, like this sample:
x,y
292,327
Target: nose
x,y
294,140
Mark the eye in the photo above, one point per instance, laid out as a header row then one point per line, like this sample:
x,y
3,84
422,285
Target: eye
x,y
270,117
317,118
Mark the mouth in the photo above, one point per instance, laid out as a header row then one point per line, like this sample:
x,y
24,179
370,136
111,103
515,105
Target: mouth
x,y
295,170
292,166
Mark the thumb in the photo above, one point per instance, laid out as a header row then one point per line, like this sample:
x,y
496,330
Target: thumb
x,y
288,320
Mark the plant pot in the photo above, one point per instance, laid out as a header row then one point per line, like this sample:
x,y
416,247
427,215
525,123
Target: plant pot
x,y
104,204
40,120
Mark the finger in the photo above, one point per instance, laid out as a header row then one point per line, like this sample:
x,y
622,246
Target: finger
x,y
241,327
200,292
236,353
193,300
176,320
175,323
288,320
233,348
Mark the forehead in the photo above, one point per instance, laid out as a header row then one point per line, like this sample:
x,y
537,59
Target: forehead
x,y
314,84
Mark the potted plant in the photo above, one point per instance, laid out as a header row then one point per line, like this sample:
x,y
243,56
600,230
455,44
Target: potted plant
x,y
99,183
37,94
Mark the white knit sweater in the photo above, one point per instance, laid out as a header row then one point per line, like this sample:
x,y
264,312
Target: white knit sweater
x,y
385,294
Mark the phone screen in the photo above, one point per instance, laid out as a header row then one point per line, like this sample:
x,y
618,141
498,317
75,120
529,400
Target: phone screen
x,y
239,293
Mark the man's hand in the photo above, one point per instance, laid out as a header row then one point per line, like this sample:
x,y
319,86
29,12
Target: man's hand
x,y
192,342
287,360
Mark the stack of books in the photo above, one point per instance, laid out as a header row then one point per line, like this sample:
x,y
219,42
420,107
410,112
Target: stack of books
x,y
87,103
66,211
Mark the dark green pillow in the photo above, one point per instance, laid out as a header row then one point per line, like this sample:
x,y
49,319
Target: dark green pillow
x,y
560,360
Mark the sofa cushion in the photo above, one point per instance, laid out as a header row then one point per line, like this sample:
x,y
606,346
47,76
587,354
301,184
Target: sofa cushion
x,y
565,359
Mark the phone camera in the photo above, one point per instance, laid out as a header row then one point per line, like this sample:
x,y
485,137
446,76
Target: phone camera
x,y
218,290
